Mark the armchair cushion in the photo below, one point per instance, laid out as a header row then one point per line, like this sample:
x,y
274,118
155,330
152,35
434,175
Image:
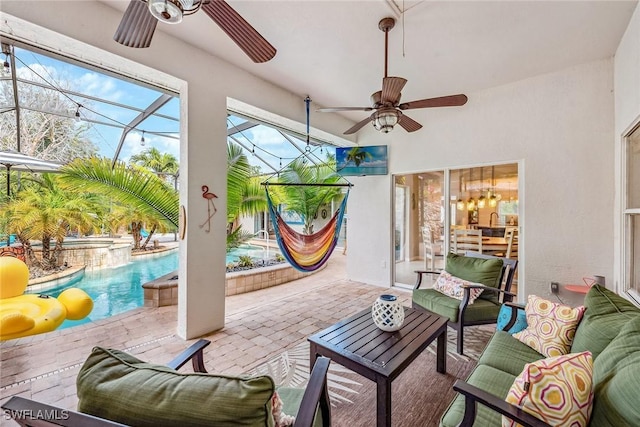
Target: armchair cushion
x,y
115,385
453,286
556,390
550,326
437,302
478,270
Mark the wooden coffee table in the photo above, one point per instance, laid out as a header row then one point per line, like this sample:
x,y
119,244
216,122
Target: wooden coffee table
x,y
357,344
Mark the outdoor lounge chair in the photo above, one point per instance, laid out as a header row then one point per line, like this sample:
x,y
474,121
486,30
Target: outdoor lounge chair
x,y
116,389
493,275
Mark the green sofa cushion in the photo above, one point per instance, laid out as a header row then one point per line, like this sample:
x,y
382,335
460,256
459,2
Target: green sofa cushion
x,y
488,379
479,270
446,306
117,386
616,379
602,320
508,354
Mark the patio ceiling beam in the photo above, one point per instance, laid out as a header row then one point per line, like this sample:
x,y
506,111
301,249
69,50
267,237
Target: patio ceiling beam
x,y
155,106
240,128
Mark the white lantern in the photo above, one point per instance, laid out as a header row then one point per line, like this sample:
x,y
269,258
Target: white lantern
x,y
387,313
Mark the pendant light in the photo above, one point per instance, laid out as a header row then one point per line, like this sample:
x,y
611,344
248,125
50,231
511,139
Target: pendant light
x,y
471,204
493,200
482,201
460,204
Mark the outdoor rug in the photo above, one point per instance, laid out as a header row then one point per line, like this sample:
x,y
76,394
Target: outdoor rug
x,y
419,395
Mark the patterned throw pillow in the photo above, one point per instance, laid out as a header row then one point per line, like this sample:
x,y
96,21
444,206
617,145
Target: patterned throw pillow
x,y
550,326
504,317
453,286
557,390
280,419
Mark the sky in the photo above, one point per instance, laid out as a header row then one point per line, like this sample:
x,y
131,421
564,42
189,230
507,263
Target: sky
x,y
269,144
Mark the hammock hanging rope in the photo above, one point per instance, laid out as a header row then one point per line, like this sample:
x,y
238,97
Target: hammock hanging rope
x,y
307,252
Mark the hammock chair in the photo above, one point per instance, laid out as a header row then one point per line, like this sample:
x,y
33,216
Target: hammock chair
x,y
307,252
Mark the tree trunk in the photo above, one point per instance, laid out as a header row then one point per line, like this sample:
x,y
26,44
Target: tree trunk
x,y
153,230
46,252
57,251
28,251
135,233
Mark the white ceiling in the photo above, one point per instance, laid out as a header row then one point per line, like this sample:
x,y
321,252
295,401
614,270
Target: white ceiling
x,y
333,51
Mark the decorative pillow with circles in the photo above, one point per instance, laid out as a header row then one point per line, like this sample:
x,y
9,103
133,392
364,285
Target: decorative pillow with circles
x,y
550,326
454,287
557,390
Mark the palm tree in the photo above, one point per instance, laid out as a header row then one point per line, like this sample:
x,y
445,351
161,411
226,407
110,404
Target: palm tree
x,y
308,200
357,155
245,195
163,164
150,198
47,212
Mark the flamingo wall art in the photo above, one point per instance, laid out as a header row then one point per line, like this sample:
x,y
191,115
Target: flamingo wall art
x,y
209,196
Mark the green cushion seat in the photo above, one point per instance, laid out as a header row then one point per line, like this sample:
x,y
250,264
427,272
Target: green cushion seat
x,y
115,385
616,379
508,354
437,302
606,313
489,379
478,270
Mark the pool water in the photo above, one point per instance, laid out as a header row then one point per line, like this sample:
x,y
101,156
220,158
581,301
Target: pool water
x,y
116,290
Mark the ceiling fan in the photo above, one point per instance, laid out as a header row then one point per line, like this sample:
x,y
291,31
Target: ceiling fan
x,y
141,17
386,102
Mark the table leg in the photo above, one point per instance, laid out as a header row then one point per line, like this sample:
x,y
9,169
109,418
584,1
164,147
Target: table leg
x,y
313,355
441,364
383,405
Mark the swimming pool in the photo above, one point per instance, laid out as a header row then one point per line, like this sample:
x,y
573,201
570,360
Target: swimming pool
x,y
116,290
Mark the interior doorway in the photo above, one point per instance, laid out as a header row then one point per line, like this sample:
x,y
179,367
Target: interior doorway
x,y
430,206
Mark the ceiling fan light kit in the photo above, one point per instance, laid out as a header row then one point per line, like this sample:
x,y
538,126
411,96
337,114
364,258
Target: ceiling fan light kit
x,y
172,11
386,102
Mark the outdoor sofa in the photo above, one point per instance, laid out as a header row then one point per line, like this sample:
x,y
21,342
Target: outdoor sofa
x,y
609,329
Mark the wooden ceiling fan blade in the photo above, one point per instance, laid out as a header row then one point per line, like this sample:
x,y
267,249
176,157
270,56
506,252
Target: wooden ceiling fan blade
x,y
137,26
409,124
355,128
336,109
443,101
391,88
240,31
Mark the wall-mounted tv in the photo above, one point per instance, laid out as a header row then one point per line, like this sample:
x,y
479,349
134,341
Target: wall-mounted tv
x,y
359,161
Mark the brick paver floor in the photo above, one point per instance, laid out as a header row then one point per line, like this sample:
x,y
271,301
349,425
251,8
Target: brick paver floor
x,y
259,325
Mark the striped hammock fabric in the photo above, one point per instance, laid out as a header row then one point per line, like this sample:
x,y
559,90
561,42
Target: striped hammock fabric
x,y
307,252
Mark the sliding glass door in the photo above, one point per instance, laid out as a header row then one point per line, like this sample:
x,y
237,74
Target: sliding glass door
x,y
431,206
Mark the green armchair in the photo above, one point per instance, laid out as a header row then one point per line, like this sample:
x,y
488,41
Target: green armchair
x,y
493,275
115,388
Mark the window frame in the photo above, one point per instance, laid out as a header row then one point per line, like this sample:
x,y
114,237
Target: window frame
x,y
630,259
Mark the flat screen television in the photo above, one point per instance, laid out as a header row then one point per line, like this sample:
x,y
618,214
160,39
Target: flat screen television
x,y
360,161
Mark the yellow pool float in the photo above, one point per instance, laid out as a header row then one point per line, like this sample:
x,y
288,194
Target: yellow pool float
x,y
30,314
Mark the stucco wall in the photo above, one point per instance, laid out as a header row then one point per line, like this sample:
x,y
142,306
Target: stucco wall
x,y
559,127
627,113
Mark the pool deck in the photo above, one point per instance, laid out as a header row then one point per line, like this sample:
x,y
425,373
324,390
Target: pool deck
x,y
258,326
